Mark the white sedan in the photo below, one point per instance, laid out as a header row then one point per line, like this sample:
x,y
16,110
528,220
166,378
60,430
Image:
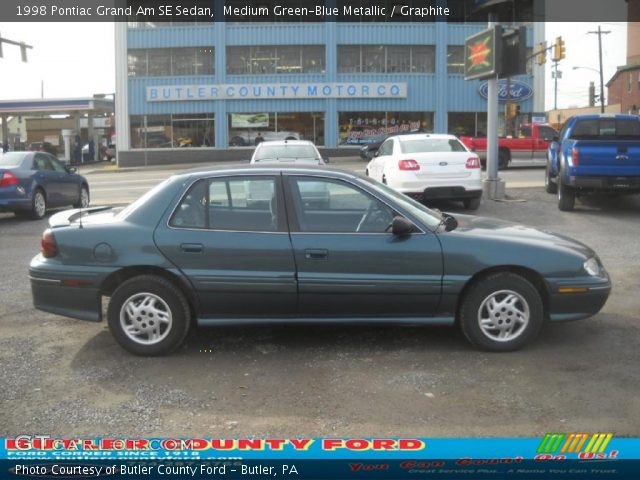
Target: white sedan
x,y
429,166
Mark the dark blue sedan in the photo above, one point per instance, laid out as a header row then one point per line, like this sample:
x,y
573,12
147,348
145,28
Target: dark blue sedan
x,y
32,182
246,245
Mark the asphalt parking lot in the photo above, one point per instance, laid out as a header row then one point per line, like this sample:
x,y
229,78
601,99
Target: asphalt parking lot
x,y
66,377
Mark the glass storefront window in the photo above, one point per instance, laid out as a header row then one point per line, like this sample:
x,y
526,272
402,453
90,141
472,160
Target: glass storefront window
x,y
455,59
171,61
386,58
248,129
359,128
473,124
172,131
275,59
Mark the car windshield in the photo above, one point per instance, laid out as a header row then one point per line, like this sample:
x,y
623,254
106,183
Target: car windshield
x,y
286,152
431,145
424,214
11,159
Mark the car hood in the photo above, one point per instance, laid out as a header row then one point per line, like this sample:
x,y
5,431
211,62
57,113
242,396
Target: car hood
x,y
502,231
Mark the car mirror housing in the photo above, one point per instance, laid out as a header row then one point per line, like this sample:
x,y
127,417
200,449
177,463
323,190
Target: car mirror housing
x,y
450,222
72,169
401,226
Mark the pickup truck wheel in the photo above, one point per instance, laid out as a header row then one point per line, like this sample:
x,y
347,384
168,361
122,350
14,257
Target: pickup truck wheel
x,y
549,186
566,196
471,203
503,159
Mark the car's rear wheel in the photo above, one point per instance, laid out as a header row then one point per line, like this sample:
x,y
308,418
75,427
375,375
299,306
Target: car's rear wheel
x,y
38,204
148,315
471,203
549,185
566,196
83,198
501,313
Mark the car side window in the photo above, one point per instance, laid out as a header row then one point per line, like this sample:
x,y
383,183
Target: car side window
x,y
333,206
57,166
247,204
41,162
386,148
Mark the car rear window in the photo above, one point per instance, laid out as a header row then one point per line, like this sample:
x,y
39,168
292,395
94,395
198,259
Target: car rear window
x,y
11,159
606,129
431,145
286,152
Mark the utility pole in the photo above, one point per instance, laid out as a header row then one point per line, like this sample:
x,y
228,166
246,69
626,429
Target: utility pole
x,y
600,32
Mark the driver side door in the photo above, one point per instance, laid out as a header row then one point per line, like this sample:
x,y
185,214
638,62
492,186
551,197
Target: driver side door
x,y
348,262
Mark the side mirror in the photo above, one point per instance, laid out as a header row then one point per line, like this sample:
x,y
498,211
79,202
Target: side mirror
x,y
450,222
326,160
72,169
377,152
401,226
555,138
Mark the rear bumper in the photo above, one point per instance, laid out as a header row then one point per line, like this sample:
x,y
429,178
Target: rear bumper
x,y
578,305
444,193
14,204
629,184
70,294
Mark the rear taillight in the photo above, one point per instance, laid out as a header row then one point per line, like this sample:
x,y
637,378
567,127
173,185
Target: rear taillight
x,y
575,157
408,165
48,245
473,162
8,179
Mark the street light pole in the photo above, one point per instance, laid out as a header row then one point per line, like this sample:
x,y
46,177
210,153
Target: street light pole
x,y
600,32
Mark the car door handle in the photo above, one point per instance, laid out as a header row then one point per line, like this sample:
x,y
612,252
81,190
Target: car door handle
x,y
316,254
191,247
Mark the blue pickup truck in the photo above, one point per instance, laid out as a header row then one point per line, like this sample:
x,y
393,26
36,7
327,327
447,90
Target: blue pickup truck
x,y
594,153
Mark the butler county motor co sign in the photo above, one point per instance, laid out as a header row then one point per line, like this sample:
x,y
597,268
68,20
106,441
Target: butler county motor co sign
x,y
250,91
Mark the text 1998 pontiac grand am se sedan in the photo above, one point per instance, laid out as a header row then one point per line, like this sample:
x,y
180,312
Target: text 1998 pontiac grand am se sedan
x,y
200,249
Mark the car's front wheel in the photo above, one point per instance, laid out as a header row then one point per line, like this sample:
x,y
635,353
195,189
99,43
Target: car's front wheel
x,y
549,185
83,198
148,315
502,312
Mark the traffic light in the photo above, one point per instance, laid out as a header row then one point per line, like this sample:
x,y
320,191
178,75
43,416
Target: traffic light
x,y
559,50
541,54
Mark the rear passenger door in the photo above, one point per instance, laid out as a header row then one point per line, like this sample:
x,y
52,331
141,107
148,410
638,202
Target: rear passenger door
x,y
228,235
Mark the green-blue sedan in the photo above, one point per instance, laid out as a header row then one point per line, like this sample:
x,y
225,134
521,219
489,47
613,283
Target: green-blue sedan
x,y
246,245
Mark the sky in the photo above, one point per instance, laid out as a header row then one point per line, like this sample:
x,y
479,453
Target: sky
x,y
77,60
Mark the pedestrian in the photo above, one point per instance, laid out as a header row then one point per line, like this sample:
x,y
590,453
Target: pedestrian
x,y
77,150
92,150
5,147
258,139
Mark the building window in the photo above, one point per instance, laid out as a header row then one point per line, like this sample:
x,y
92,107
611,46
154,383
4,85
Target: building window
x,y
247,129
172,131
275,59
386,58
455,59
473,124
155,62
358,128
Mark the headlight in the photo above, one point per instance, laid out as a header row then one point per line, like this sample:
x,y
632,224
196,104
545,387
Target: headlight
x,y
591,266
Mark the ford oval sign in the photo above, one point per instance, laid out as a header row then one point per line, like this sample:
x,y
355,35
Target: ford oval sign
x,y
516,91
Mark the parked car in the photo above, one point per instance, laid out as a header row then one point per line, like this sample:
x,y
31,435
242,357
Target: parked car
x,y
368,151
530,145
594,153
193,251
429,166
297,152
32,182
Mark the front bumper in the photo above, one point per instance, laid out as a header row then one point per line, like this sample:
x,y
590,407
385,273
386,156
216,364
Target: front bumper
x,y
575,299
69,293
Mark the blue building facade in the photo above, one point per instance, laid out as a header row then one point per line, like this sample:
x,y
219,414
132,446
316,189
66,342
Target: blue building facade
x,y
217,85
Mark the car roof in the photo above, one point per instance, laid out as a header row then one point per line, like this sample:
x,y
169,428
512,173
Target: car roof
x,y
267,169
285,142
421,136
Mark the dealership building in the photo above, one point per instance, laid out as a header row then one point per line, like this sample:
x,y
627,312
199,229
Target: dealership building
x,y
189,92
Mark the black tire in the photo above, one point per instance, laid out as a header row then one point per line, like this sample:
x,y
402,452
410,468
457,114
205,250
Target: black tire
x,y
503,159
38,204
501,286
166,298
549,186
566,196
80,203
471,203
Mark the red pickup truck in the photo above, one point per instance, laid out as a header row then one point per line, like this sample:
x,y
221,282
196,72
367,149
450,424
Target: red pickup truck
x,y
530,145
